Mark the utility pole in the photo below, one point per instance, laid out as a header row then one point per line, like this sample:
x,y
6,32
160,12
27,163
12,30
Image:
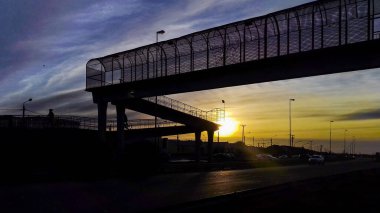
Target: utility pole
x,y
242,135
292,141
330,135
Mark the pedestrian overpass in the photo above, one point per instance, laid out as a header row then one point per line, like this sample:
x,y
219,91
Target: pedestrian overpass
x,y
317,38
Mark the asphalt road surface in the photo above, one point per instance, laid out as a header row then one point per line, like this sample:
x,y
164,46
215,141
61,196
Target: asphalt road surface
x,y
119,195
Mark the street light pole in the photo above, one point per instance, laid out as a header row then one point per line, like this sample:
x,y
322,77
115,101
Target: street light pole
x,y
158,32
224,115
290,122
344,144
330,135
224,110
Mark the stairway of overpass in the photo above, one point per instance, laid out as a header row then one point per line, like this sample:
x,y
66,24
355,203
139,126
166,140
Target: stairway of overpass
x,y
175,111
146,128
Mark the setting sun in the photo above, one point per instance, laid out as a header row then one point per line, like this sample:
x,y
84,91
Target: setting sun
x,y
228,127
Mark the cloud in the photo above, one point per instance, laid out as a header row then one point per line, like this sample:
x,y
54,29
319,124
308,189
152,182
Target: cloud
x,y
362,115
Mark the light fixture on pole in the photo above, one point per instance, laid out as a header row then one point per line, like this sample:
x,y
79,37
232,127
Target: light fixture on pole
x,y
159,32
330,135
290,121
224,110
23,107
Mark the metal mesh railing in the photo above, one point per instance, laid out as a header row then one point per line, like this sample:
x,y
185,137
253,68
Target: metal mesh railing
x,y
308,27
213,115
141,124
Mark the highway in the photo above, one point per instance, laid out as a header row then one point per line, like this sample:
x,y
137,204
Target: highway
x,y
120,195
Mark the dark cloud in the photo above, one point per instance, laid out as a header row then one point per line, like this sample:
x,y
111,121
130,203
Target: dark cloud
x,y
67,103
362,115
77,102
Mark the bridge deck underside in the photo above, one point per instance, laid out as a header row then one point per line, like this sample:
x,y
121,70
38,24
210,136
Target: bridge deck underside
x,y
158,132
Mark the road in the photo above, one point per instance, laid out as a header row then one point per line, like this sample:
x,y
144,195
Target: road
x,y
116,195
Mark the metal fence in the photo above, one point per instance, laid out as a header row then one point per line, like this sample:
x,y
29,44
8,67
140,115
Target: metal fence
x,y
213,115
41,121
142,124
316,25
75,122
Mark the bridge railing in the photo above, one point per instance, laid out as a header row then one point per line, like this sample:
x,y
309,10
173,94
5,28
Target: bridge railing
x,y
315,25
142,124
75,122
41,121
213,115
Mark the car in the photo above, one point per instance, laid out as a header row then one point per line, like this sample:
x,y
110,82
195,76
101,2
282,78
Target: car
x,y
316,159
266,157
223,156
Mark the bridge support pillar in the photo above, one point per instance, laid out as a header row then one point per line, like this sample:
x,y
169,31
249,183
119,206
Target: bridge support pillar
x,y
120,114
210,137
102,119
197,146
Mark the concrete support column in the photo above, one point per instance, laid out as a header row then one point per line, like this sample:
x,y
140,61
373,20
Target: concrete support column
x,y
210,137
102,119
197,146
120,113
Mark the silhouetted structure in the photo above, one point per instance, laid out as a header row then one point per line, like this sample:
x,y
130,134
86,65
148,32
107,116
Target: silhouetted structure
x,y
316,38
51,117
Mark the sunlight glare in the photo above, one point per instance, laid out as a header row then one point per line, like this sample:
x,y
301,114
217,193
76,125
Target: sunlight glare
x,y
228,127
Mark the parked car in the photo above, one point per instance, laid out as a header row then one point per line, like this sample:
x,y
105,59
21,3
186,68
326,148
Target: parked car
x,y
316,159
265,157
223,156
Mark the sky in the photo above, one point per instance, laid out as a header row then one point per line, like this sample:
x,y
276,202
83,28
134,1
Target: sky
x,y
45,45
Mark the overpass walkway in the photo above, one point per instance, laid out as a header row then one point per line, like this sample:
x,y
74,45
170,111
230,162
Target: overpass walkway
x,y
317,38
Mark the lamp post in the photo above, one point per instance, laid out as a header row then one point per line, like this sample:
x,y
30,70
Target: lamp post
x,y
224,110
158,32
290,121
330,135
23,107
344,143
224,115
